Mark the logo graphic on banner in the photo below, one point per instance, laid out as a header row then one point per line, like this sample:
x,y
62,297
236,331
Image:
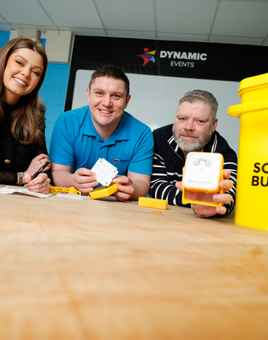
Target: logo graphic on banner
x,y
147,56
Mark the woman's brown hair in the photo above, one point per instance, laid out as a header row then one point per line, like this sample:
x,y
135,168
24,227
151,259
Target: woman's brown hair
x,y
27,123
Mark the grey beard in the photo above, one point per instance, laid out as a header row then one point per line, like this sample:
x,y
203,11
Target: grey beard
x,y
197,146
188,147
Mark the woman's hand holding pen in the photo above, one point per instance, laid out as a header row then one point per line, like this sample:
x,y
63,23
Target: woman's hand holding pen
x,y
35,178
37,163
39,184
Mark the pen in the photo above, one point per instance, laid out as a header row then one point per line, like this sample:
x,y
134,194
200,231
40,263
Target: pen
x,y
40,170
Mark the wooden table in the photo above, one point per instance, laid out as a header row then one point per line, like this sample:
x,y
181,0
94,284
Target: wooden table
x,y
109,270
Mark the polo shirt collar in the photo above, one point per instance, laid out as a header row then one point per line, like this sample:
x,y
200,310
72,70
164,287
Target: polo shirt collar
x,y
89,128
121,132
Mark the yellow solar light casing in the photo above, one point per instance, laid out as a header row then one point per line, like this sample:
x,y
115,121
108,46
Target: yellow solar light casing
x,y
147,202
202,174
103,192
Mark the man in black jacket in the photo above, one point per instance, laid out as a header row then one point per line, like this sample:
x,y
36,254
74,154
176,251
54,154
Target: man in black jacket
x,y
194,130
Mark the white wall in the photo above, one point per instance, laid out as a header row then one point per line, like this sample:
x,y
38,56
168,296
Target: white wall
x,y
57,43
154,99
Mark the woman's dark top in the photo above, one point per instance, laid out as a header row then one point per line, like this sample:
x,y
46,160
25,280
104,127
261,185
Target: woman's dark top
x,y
14,156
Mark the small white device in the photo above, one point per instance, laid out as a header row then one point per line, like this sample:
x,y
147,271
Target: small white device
x,y
105,171
202,171
202,174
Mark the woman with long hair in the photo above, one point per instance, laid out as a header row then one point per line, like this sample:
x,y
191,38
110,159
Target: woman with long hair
x,y
23,63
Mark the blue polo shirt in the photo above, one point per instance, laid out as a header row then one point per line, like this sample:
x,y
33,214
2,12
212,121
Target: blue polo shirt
x,y
76,143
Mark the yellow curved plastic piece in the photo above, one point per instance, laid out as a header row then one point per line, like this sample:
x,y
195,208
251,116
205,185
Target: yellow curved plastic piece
x,y
103,192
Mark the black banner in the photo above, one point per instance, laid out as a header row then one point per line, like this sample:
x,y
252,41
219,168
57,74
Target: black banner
x,y
168,58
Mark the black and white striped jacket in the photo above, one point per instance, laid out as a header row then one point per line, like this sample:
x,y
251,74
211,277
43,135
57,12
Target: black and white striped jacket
x,y
169,160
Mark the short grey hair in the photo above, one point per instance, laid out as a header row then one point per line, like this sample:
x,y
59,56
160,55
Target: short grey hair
x,y
202,95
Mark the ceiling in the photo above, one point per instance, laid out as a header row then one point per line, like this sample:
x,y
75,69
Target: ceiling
x,y
227,21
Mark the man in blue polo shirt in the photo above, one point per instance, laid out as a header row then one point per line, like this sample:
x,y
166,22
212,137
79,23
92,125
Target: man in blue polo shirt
x,y
103,130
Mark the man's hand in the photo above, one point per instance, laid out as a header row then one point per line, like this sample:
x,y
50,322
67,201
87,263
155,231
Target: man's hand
x,y
84,180
206,211
125,188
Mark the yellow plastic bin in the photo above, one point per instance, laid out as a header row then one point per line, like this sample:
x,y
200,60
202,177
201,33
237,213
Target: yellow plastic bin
x,y
252,181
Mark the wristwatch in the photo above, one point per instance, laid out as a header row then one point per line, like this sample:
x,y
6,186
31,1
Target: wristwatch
x,y
20,176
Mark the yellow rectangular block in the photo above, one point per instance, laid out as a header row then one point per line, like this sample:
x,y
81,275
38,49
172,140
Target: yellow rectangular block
x,y
103,192
156,203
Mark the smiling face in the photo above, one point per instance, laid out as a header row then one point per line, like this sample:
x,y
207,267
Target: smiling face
x,y
194,125
107,99
22,74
